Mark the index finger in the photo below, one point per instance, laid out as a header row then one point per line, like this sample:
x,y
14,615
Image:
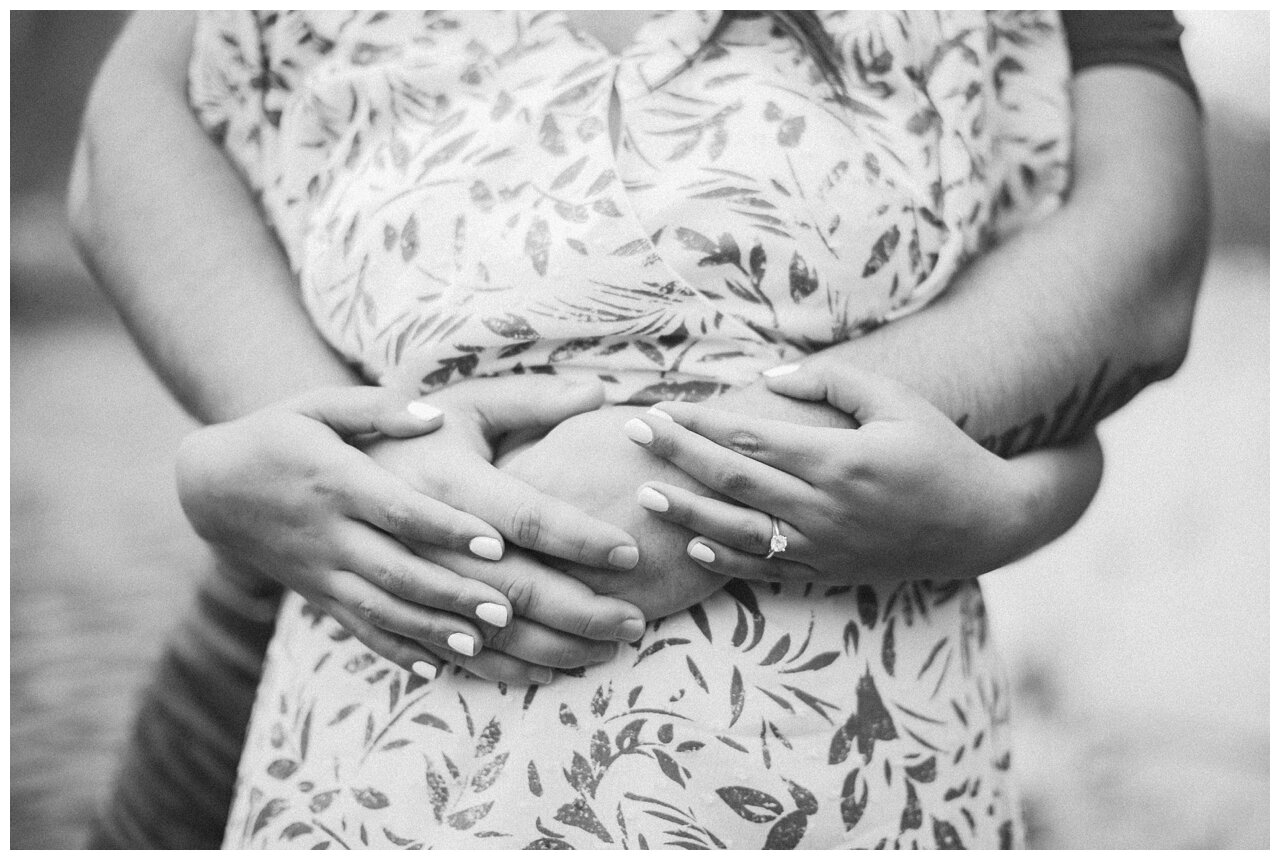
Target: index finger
x,y
543,523
797,449
551,598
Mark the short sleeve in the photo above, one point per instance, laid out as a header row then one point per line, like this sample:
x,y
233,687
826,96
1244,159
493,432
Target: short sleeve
x,y
224,87
1147,38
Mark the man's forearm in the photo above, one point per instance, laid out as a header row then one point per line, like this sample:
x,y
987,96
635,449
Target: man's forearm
x,y
174,237
1045,335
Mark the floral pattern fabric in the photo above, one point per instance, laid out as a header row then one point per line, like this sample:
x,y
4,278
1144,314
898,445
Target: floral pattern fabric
x,y
480,193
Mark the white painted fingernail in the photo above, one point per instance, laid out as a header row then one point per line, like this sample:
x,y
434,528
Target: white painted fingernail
x,y
624,557
652,499
486,547
492,613
462,643
702,553
424,669
541,675
423,411
638,431
655,411
781,370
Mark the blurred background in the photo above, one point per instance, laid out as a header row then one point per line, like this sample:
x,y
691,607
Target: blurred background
x,y
1138,643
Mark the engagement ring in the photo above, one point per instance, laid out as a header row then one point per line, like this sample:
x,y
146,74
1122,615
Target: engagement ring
x,y
777,543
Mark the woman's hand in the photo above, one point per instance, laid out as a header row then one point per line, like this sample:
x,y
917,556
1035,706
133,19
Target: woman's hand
x,y
281,492
905,495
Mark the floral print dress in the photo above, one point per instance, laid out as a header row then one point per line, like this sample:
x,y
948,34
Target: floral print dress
x,y
482,193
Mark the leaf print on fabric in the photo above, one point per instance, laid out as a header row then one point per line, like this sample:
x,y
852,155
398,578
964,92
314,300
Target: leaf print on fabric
x,y
437,790
852,806
737,697
489,773
945,835
888,650
569,174
804,799
282,768
790,131
697,675
370,798
869,723
467,818
881,251
537,244
778,651
425,719
629,737
803,280
924,771
750,804
787,832
273,808
550,137
409,239
669,767
658,646
320,802
579,814
489,738
819,661
912,816
296,829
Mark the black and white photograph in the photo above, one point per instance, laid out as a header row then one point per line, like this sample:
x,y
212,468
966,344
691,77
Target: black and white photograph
x,y
639,429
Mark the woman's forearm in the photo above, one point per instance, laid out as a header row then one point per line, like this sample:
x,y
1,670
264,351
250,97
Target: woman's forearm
x,y
1048,333
173,236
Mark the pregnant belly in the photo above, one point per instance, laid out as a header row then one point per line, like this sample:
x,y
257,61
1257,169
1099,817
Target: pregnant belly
x,y
766,697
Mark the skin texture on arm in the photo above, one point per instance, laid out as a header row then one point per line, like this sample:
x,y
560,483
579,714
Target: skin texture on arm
x,y
174,237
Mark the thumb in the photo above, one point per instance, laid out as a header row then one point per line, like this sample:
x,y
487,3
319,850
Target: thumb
x,y
864,395
365,409
509,403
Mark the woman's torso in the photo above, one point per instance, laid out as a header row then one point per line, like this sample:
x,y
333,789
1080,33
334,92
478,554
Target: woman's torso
x,y
449,190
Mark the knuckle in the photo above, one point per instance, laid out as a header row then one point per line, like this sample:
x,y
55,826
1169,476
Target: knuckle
x,y
372,612
522,594
397,517
663,444
854,469
583,625
564,656
744,442
459,603
526,525
392,577
733,481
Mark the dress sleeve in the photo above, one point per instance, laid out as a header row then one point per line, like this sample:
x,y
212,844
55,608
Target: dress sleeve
x,y
1147,38
225,87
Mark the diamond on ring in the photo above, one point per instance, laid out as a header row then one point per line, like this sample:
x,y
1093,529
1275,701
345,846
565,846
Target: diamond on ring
x,y
777,543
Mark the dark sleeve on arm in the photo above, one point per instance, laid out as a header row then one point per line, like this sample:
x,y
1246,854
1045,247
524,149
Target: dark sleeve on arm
x,y
1135,38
